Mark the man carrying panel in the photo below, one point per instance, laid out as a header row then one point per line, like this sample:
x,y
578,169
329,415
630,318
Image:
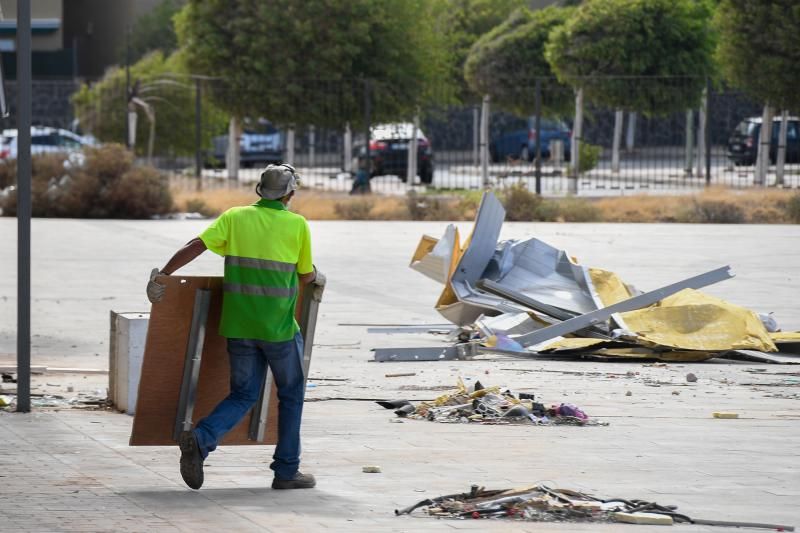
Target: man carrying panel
x,y
267,252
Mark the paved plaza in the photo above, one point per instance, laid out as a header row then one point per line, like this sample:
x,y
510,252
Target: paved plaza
x,y
66,469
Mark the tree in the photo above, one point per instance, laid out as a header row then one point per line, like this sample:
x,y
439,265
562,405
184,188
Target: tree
x,y
154,30
161,83
758,52
466,21
505,62
302,62
649,56
669,43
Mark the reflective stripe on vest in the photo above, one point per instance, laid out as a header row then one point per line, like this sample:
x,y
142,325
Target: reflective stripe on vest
x,y
258,290
260,264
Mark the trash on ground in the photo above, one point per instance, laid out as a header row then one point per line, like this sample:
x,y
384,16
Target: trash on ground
x,y
490,405
540,503
371,469
725,415
526,298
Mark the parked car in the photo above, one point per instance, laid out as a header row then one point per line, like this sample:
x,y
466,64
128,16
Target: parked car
x,y
261,143
43,140
521,144
743,142
389,145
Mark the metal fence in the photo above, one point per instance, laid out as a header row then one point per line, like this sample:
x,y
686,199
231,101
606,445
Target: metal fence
x,y
623,152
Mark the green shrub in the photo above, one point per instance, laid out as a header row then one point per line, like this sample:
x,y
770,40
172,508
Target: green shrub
x,y
714,212
198,205
578,210
521,204
590,156
355,209
793,208
105,184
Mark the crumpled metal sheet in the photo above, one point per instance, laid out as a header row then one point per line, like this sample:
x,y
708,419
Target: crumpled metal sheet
x,y
433,257
540,271
692,320
460,302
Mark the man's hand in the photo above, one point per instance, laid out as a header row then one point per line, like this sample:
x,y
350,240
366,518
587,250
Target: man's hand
x,y
155,290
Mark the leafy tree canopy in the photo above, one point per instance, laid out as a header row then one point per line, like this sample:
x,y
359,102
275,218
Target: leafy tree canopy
x,y
466,21
155,30
301,61
161,82
505,62
669,42
759,49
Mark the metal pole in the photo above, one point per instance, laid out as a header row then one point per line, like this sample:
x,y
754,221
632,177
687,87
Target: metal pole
x,y
24,75
538,126
127,85
485,143
198,137
707,103
367,127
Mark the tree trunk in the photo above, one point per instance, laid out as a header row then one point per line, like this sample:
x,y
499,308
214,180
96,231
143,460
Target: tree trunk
x,y
701,135
781,156
485,142
233,150
762,160
411,168
312,145
476,127
630,138
348,149
688,154
618,119
290,145
577,132
132,116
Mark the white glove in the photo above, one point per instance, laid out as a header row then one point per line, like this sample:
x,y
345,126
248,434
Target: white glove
x,y
155,290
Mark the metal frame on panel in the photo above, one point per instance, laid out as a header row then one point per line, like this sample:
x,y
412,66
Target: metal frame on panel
x,y
191,367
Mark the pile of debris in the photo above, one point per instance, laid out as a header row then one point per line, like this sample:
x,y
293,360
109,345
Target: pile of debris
x,y
527,298
540,503
490,405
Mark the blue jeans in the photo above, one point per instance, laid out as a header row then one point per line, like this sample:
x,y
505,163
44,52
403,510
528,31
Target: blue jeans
x,y
248,362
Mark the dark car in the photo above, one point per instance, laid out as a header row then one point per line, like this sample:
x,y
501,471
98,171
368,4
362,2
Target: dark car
x,y
521,144
389,147
261,143
743,142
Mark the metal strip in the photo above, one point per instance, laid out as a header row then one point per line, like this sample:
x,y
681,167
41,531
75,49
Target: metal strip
x,y
261,264
258,420
518,298
258,290
191,366
312,296
631,304
435,353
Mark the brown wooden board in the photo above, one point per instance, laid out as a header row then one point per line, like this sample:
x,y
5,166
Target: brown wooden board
x,y
162,368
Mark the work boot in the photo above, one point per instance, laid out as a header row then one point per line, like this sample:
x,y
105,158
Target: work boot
x,y
191,460
299,481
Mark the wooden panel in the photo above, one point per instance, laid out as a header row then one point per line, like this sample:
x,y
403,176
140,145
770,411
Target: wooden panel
x,y
162,369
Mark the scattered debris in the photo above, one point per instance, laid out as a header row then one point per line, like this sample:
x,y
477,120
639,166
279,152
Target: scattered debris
x,y
371,469
540,503
691,378
401,375
726,415
490,405
528,299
